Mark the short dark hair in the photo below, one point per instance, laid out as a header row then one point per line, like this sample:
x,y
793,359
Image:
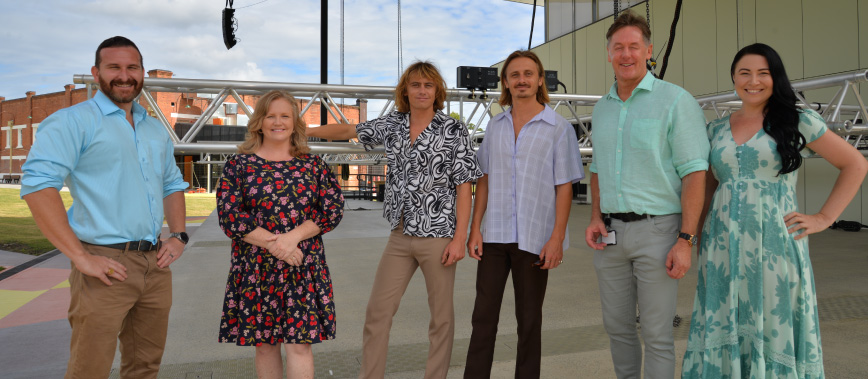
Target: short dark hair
x,y
116,41
628,18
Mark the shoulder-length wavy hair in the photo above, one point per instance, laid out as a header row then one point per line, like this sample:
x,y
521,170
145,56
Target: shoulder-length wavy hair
x,y
781,120
426,70
542,93
253,139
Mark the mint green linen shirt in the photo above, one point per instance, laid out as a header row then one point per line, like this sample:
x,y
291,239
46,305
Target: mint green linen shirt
x,y
645,145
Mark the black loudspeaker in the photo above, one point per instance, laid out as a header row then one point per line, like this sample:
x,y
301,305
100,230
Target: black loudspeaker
x,y
230,24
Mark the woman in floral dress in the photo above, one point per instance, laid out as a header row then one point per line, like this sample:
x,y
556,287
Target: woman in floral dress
x,y
755,312
275,201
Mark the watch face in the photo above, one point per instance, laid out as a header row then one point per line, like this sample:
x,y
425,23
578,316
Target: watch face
x,y
184,237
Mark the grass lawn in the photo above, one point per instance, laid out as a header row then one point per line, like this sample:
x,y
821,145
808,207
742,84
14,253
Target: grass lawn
x,y
20,233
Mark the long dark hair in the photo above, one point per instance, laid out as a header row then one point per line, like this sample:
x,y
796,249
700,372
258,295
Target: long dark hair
x,y
781,120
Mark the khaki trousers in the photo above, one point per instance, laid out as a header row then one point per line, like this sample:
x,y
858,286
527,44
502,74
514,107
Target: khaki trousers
x,y
136,311
403,254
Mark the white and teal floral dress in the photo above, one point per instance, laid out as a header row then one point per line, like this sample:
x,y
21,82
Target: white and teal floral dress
x,y
755,312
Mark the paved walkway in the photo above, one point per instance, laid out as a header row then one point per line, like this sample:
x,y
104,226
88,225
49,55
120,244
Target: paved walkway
x,y
34,333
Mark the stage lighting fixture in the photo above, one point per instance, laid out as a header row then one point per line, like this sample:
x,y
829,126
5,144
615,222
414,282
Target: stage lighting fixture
x,y
230,25
552,81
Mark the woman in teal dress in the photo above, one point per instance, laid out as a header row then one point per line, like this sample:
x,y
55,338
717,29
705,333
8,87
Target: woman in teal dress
x,y
755,312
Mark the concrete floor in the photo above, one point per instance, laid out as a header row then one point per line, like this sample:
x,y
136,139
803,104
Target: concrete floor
x,y
574,342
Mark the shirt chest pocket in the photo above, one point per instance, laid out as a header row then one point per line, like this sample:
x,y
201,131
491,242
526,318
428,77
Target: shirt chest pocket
x,y
645,133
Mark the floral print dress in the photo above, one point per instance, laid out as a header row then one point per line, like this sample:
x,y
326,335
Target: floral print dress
x,y
755,311
267,300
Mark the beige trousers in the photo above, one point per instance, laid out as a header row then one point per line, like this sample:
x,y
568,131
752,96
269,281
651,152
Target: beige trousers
x,y
403,254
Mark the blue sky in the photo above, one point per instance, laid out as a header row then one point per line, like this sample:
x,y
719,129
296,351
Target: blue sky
x,y
46,42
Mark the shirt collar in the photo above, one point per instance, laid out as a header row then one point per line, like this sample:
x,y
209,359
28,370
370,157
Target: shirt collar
x,y
548,116
646,84
107,106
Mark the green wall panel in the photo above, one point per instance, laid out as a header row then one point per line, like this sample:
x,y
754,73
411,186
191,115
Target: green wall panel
x,y
830,37
701,65
779,25
727,41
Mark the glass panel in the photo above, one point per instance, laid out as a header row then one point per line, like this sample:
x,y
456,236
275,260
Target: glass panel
x,y
584,10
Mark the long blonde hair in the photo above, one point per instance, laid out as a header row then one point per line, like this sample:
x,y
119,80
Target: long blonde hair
x,y
253,139
428,71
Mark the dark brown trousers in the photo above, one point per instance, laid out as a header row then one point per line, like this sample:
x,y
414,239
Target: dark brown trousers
x,y
529,284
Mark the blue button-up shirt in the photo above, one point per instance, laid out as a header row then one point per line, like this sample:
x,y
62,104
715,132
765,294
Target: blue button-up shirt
x,y
645,145
117,175
522,175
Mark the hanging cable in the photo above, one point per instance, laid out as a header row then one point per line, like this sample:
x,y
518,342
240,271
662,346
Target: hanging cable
x,y
532,18
248,6
342,41
400,52
671,38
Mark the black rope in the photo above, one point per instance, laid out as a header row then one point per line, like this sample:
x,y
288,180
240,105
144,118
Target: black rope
x,y
671,38
532,18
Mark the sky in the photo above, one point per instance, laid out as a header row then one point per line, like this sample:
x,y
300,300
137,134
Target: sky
x,y
44,43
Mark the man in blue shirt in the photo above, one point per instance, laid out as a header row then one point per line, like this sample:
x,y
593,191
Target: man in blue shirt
x,y
529,159
120,169
647,188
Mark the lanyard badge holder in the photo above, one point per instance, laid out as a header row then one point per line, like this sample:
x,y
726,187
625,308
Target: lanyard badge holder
x,y
610,239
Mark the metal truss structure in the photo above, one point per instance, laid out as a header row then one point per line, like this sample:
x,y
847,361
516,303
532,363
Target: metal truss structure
x,y
846,118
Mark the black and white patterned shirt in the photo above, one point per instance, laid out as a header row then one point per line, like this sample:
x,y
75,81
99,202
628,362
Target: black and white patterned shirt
x,y
422,176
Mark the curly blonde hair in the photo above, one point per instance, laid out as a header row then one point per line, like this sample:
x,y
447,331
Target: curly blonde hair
x,y
253,139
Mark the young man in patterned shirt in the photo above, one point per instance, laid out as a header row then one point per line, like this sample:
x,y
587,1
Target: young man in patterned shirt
x,y
428,201
530,159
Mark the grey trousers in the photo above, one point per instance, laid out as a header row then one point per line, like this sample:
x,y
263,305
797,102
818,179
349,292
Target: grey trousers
x,y
634,271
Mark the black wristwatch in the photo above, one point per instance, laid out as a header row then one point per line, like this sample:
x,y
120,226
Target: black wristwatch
x,y
181,236
691,238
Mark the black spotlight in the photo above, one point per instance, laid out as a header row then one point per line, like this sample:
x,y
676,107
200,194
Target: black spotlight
x,y
230,25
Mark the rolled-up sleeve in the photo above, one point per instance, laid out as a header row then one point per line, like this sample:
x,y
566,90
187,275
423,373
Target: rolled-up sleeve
x,y
688,137
59,143
172,179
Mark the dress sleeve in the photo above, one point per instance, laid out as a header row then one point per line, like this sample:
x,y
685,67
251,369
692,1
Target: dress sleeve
x,y
329,203
232,212
811,125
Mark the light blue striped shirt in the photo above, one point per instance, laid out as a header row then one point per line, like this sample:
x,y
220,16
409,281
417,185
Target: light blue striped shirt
x,y
117,176
645,145
522,175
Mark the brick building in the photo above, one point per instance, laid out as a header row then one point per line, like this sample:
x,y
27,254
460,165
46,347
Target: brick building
x,y
20,118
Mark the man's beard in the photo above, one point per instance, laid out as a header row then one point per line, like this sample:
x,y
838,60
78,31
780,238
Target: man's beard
x,y
107,89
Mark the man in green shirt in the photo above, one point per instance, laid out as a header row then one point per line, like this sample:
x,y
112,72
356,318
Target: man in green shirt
x,y
648,185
